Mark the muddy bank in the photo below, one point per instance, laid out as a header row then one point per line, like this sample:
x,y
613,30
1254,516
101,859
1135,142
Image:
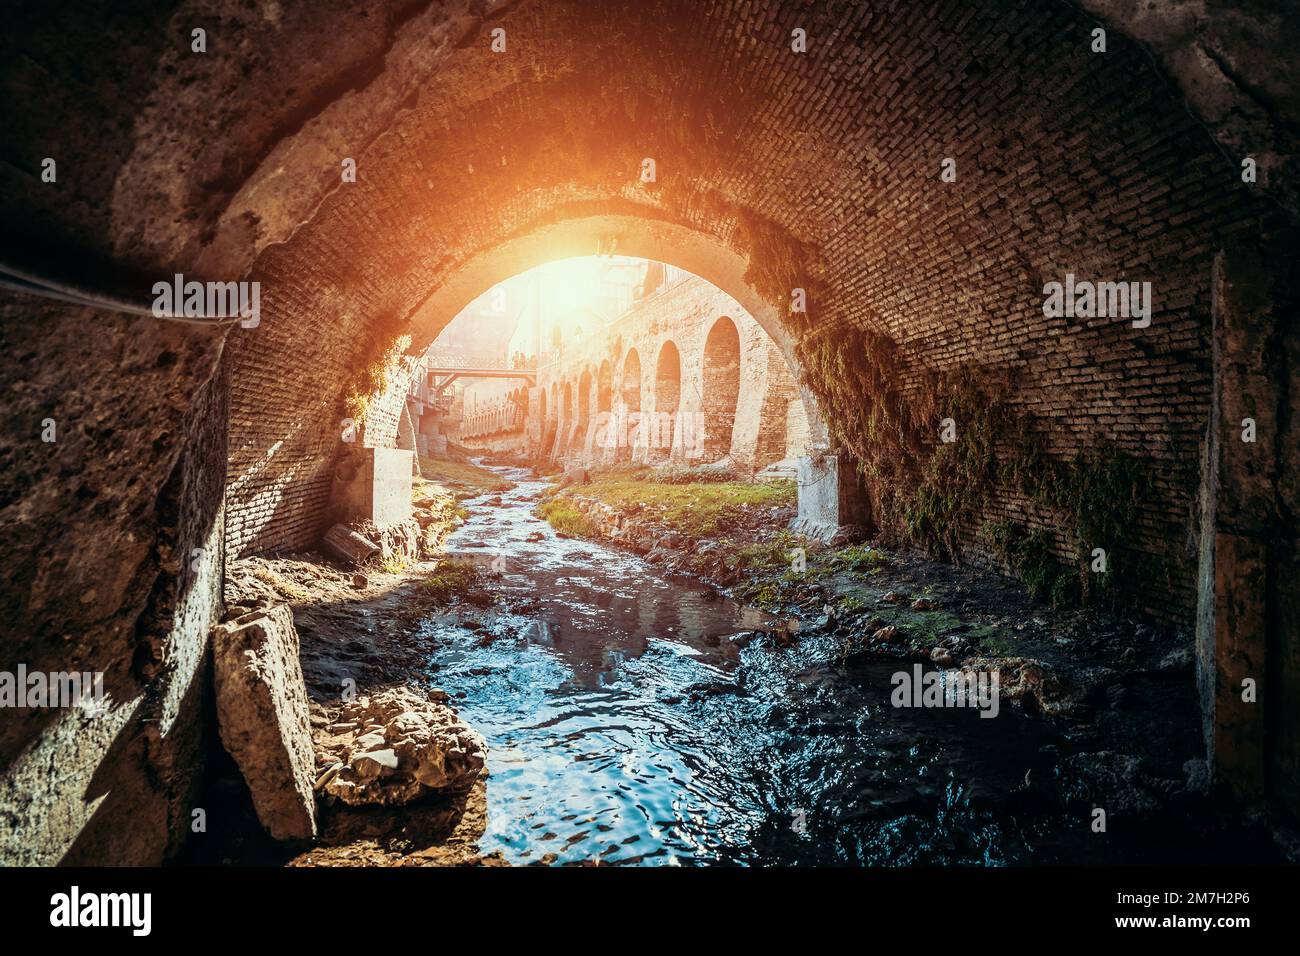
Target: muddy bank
x,y
360,645
637,716
1122,690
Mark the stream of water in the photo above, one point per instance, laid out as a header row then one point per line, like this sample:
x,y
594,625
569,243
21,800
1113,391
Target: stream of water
x,y
629,719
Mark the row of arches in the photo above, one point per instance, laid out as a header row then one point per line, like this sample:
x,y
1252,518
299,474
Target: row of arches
x,y
634,409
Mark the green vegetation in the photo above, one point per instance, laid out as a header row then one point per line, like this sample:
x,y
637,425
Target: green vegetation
x,y
388,344
463,478
928,492
768,579
859,558
698,510
678,475
564,516
452,578
769,555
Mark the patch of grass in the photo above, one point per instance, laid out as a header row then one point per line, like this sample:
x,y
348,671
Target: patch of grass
x,y
393,564
451,578
771,555
997,645
698,510
930,627
463,478
563,515
766,595
860,559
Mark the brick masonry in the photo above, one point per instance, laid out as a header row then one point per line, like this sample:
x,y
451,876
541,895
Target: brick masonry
x,y
1071,161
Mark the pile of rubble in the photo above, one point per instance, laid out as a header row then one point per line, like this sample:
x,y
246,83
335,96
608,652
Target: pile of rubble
x,y
390,748
396,746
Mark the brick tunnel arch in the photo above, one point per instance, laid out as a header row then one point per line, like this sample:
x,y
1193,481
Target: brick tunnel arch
x,y
1074,163
631,229
720,387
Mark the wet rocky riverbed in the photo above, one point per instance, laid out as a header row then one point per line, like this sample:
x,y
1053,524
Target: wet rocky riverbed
x,y
638,718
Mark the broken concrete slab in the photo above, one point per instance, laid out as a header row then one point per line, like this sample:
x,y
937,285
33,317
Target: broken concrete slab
x,y
263,718
343,544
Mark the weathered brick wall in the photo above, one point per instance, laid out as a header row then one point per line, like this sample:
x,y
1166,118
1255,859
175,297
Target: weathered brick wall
x,y
824,172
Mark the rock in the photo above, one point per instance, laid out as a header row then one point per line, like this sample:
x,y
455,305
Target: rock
x,y
942,656
375,764
328,774
922,604
262,715
885,634
893,597
419,747
343,544
360,581
575,475
1026,680
400,540
1114,781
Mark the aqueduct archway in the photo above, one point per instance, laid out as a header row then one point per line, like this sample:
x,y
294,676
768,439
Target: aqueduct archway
x,y
181,441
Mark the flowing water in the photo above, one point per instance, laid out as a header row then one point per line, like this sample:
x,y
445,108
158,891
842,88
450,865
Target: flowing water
x,y
630,717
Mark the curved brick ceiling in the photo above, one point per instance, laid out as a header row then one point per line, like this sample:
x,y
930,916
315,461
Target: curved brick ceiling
x,y
819,169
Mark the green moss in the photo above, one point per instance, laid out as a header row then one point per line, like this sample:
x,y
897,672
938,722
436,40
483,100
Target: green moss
x,y
563,515
699,510
859,559
451,578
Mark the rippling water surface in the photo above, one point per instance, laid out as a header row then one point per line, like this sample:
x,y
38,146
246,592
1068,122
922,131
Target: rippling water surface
x,y
628,719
